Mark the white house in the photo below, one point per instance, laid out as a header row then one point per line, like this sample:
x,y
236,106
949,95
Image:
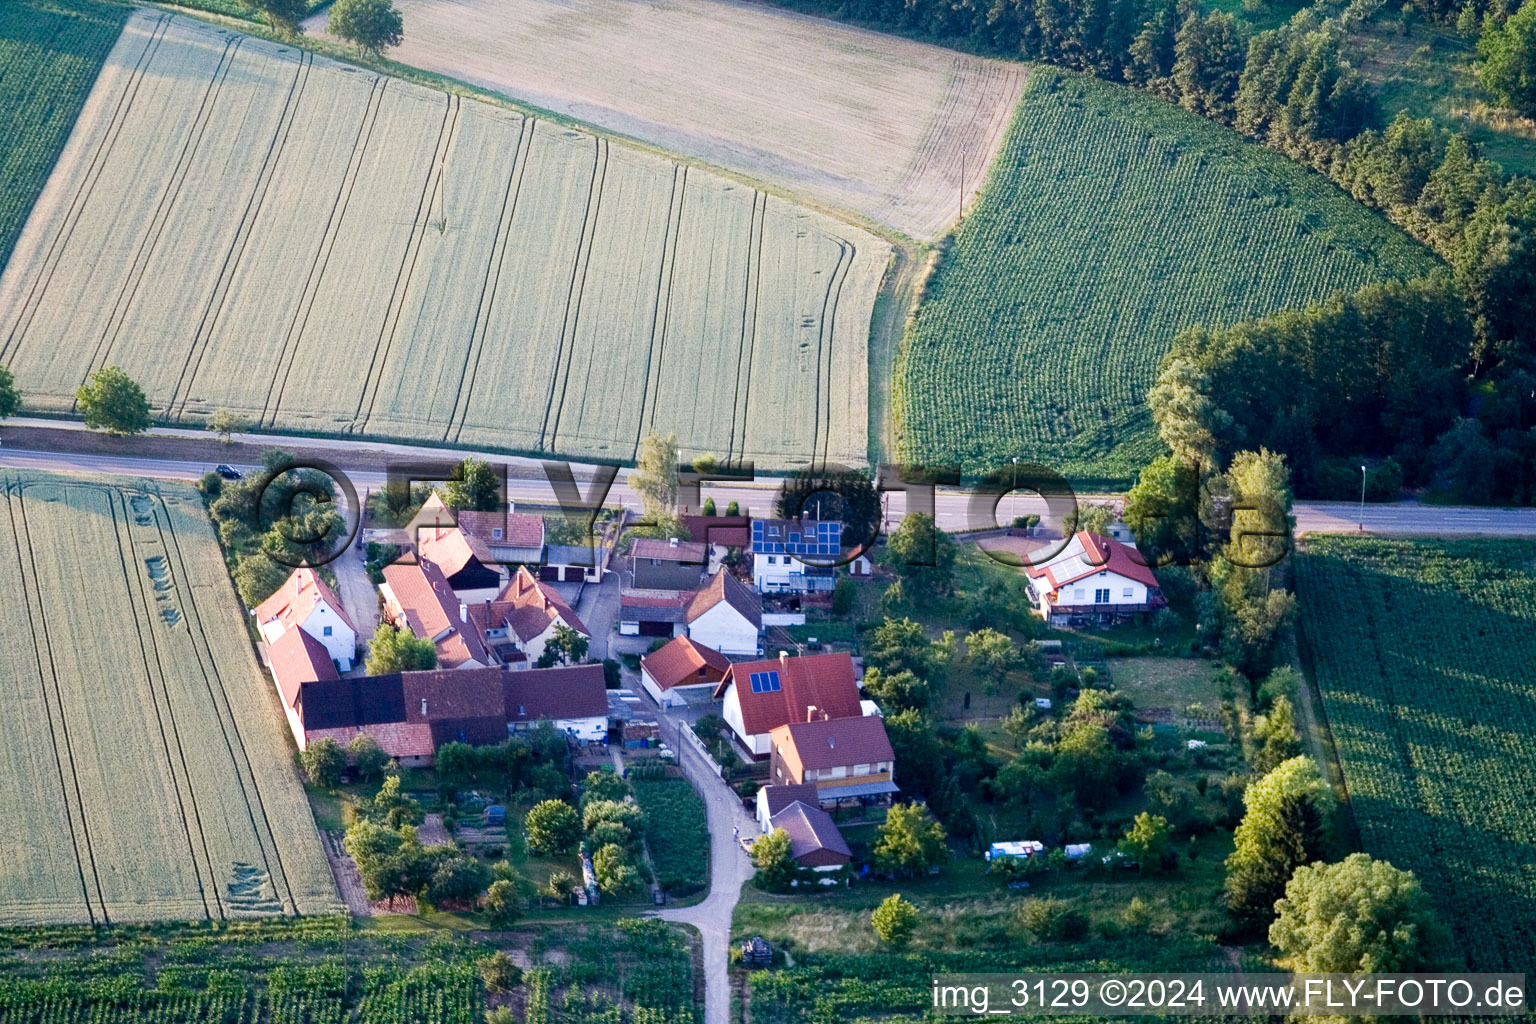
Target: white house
x,y
759,696
726,616
305,602
1093,576
779,547
680,668
519,622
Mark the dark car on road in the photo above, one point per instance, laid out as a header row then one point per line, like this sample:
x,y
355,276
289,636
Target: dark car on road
x,y
228,472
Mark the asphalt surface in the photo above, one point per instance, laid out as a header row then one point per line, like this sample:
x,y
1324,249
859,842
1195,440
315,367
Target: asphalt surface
x,y
955,510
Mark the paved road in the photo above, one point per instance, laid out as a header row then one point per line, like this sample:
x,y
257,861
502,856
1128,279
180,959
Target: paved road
x,y
952,507
729,868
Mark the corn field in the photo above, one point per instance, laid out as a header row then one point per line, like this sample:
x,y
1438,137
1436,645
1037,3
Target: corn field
x,y
1423,651
150,774
1110,221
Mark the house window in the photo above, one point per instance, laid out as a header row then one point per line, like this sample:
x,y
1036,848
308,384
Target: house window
x,y
1101,596
772,560
327,631
1129,592
1077,594
861,769
495,533
841,771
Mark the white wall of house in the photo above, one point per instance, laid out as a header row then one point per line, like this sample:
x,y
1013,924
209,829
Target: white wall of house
x,y
777,572
757,743
584,729
724,629
666,698
762,810
338,638
1087,591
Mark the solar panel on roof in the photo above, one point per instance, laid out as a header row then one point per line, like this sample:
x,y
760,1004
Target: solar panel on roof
x,y
765,682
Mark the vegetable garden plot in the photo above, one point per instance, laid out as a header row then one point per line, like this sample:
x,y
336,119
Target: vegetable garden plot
x,y
157,778
1110,221
242,226
1423,653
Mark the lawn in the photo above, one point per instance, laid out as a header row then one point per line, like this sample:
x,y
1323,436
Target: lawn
x,y
1422,651
51,51
153,776
1110,221
1188,686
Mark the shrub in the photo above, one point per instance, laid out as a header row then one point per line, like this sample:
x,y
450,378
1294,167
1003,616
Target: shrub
x,y
1054,920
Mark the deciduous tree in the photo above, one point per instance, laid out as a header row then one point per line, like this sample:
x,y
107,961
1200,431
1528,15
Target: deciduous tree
x,y
1360,915
323,762
894,920
370,25
908,843
111,400
399,650
553,826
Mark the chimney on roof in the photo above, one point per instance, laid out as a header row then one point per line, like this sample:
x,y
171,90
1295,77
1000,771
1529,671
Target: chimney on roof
x,y
810,712
784,660
673,542
423,707
832,742
463,612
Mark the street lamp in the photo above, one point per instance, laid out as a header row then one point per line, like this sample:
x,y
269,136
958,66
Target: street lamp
x,y
1013,493
1362,499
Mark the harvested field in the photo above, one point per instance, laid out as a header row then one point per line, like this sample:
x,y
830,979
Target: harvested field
x,y
868,122
243,226
147,767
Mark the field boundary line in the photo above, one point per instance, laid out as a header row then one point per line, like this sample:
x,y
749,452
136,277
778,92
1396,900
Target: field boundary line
x,y
164,207
103,152
11,504
226,713
757,229
130,562
214,308
447,131
574,291
661,312
322,258
492,279
53,672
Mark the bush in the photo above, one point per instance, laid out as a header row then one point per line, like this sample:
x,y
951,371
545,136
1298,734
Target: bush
x,y
894,920
501,907
498,972
552,827
323,761
1053,920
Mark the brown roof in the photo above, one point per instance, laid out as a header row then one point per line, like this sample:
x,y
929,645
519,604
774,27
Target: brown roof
x,y
298,658
431,610
654,605
1098,553
723,586
451,549
575,691
296,598
780,795
673,550
825,682
725,531
810,829
683,661
518,529
532,605
831,743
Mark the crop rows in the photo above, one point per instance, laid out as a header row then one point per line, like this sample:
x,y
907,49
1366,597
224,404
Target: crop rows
x,y
676,833
1110,221
51,55
242,226
154,782
1423,653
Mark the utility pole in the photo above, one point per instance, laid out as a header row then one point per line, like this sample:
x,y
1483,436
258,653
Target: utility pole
x,y
1362,499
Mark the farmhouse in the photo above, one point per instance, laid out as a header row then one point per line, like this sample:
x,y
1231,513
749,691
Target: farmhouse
x,y
846,759
305,602
779,547
513,538
760,696
726,616
682,667
721,534
411,714
296,658
1093,577
517,623
814,839
667,564
418,597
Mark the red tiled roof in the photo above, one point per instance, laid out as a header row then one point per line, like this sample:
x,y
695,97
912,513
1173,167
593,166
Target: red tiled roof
x,y
810,829
431,609
1099,553
725,587
298,658
825,682
724,531
528,605
451,549
681,660
518,529
296,598
669,550
832,743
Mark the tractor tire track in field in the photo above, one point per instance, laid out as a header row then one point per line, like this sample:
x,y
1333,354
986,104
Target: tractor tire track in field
x,y
826,346
553,407
214,308
322,258
395,311
83,193
139,265
661,307
44,651
245,775
129,561
12,500
752,288
486,301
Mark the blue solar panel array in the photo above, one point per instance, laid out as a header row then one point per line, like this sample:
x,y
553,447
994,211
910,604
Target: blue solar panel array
x,y
765,682
791,538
